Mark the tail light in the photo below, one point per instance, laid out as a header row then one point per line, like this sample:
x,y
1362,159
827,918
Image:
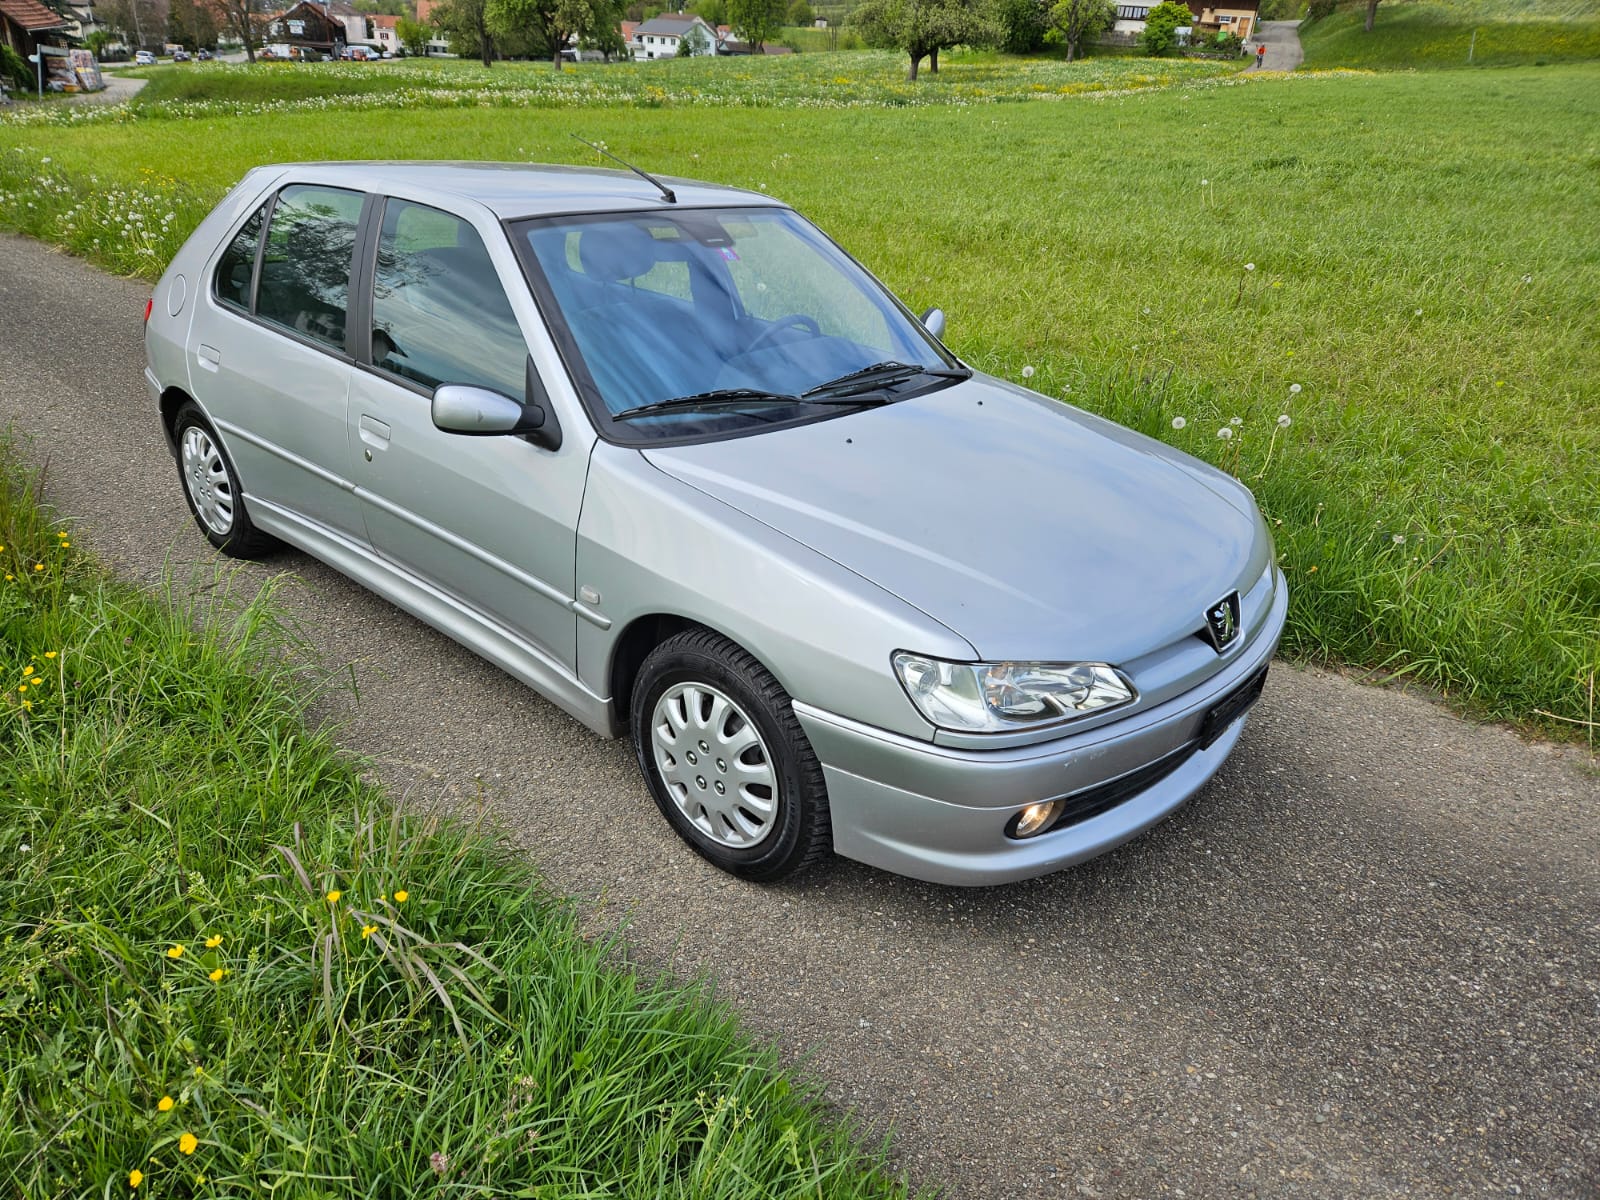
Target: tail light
x,y
148,305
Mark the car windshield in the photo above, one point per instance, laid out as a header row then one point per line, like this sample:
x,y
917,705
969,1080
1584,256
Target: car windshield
x,y
715,322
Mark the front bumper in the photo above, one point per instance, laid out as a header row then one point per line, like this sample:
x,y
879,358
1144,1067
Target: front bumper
x,y
939,813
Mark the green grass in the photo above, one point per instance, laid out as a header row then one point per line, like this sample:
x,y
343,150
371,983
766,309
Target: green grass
x,y
1429,34
1425,271
212,928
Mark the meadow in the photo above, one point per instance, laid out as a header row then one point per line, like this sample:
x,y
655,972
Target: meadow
x,y
228,967
1446,34
1401,265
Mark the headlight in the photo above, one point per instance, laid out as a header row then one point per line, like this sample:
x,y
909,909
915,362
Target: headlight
x,y
995,697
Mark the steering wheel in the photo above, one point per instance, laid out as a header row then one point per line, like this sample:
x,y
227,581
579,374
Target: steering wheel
x,y
792,321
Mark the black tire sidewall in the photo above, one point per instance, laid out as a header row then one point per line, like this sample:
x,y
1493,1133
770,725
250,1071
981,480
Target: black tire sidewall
x,y
673,663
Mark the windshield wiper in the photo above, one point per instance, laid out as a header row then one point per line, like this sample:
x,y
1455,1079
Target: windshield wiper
x,y
883,374
720,398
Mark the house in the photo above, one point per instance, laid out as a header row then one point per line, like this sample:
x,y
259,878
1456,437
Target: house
x,y
384,33
660,36
25,25
438,41
354,22
1217,16
307,28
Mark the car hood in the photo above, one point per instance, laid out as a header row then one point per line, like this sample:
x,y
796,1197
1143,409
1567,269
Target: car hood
x,y
1030,528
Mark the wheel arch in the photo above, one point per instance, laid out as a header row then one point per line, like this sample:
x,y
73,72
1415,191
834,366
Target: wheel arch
x,y
173,399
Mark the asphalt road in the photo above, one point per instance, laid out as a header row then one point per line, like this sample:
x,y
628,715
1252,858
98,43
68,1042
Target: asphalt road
x,y
1364,962
1282,40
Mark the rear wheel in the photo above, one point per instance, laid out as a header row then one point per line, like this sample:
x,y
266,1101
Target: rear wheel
x,y
211,486
726,760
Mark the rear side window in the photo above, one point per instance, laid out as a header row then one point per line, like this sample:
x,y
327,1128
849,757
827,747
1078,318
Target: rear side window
x,y
305,270
439,314
236,270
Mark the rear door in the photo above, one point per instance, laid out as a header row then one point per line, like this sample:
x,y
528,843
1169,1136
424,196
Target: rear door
x,y
490,521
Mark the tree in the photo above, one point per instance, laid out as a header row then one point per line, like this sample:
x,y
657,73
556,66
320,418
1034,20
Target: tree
x,y
1161,27
413,35
712,12
1372,15
1021,24
552,24
756,21
191,24
467,24
922,28
241,21
1077,20
140,22
801,14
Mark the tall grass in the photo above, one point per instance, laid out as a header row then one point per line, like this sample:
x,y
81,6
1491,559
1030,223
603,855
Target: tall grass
x,y
228,967
1443,34
1424,272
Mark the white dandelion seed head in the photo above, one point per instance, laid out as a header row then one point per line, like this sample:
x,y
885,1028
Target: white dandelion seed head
x,y
1525,278
1294,389
1399,539
1147,310
1027,372
1225,433
1416,312
1205,183
1249,266
1283,421
1236,421
1179,422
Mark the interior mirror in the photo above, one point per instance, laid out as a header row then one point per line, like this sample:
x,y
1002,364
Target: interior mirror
x,y
933,321
458,408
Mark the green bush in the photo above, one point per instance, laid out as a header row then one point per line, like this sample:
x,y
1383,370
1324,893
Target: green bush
x,y
15,69
1161,27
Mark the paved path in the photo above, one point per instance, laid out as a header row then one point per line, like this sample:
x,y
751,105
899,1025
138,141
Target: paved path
x,y
1365,962
1282,40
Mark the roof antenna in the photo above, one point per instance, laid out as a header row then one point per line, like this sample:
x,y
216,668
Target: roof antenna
x,y
665,190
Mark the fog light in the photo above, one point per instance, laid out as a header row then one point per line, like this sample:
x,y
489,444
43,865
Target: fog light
x,y
1036,818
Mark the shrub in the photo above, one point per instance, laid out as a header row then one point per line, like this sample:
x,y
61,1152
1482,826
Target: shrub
x,y
15,69
1161,27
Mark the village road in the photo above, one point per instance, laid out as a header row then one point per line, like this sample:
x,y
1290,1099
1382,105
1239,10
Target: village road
x,y
1364,962
1282,40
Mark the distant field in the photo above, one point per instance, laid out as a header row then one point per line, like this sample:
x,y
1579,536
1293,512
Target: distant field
x,y
1429,34
1424,272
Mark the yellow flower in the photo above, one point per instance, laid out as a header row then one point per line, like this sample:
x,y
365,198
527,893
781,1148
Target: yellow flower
x,y
213,941
38,566
49,653
61,533
187,1143
368,930
135,1177
333,896
216,976
22,687
164,1104
174,951
29,670
383,899
28,704
402,896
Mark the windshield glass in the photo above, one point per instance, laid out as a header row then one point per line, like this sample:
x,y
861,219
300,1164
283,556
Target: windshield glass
x,y
734,314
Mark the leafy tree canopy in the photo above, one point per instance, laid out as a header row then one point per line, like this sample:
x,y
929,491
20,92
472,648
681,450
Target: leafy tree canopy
x,y
1161,27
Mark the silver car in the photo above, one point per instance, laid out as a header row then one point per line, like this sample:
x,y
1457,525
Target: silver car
x,y
667,454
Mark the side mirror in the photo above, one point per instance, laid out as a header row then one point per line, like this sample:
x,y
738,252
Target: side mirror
x,y
476,411
933,321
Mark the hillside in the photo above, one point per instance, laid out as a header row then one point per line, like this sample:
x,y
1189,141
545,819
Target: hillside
x,y
1432,34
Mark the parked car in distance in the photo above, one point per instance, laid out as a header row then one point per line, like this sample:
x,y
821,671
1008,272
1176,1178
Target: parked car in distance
x,y
666,453
180,56
203,55
143,58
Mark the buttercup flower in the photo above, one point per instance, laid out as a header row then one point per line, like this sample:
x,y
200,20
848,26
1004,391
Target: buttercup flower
x,y
187,1143
49,653
213,941
164,1104
174,951
368,930
402,896
333,896
135,1177
216,976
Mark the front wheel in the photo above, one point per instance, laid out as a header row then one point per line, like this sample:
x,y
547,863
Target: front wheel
x,y
726,760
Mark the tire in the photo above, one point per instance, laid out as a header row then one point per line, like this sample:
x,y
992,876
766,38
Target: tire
x,y
211,488
759,808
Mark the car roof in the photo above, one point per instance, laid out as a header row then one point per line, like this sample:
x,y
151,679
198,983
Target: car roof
x,y
526,189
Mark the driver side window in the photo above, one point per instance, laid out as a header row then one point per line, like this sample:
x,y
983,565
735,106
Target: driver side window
x,y
778,275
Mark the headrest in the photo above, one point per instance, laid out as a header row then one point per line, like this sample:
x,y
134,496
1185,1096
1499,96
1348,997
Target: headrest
x,y
615,250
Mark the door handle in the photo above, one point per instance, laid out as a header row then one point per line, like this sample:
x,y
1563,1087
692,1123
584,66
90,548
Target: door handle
x,y
208,357
373,432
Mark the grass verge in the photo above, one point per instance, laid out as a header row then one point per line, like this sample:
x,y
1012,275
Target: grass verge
x,y
1439,34
228,967
1423,274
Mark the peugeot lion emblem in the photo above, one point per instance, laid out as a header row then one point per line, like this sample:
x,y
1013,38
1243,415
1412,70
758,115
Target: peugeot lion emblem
x,y
1222,622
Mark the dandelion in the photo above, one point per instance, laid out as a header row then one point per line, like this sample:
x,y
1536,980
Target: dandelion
x,y
135,1177
1236,421
333,896
368,930
1249,266
1294,389
402,896
1399,539
1205,183
1225,433
175,951
1416,312
1027,372
213,941
1283,421
1179,422
164,1104
187,1143
1147,310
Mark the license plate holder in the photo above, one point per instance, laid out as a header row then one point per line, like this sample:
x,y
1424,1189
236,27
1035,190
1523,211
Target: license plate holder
x,y
1230,708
